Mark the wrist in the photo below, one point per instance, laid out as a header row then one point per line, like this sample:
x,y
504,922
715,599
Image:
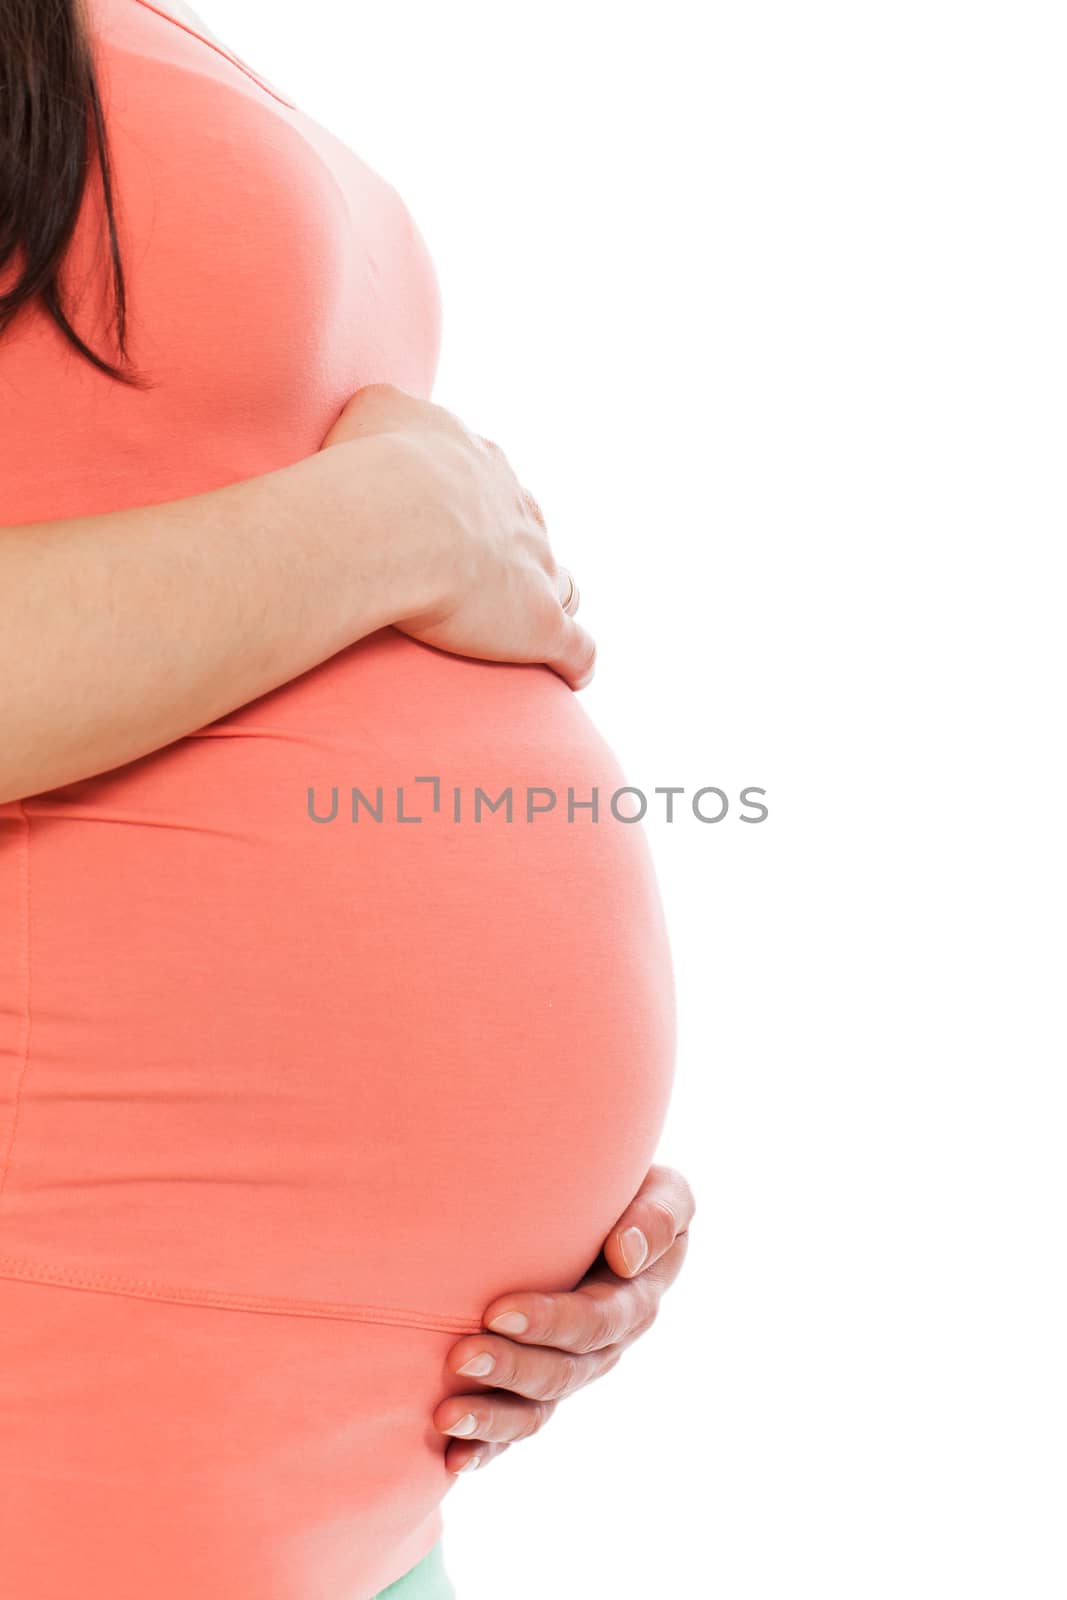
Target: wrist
x,y
416,533
364,512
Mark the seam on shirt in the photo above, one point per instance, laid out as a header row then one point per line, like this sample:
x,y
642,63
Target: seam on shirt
x,y
139,1288
144,1289
24,1049
221,50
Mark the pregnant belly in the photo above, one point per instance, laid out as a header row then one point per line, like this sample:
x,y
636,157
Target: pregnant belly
x,y
401,1048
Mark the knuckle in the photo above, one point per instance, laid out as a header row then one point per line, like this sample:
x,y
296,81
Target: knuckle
x,y
588,1336
539,1415
666,1215
585,655
521,1424
505,1369
532,1422
589,659
544,1312
533,508
613,1330
650,1295
606,1327
563,1378
610,1362
682,1188
647,1317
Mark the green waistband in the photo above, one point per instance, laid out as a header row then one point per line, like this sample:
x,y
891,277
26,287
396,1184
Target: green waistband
x,y
427,1581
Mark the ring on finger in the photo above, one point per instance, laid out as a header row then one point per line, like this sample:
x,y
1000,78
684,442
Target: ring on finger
x,y
571,600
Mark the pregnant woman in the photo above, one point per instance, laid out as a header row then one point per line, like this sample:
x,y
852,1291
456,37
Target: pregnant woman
x,y
335,1001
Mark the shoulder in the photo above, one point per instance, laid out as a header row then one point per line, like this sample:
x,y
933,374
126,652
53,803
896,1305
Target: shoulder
x,y
185,13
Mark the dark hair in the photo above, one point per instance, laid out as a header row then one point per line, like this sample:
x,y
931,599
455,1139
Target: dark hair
x,y
51,128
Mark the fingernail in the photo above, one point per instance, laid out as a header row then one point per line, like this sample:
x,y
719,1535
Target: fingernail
x,y
478,1366
634,1247
510,1322
464,1426
469,1465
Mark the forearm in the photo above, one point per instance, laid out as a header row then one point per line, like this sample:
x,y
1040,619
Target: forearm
x,y
122,632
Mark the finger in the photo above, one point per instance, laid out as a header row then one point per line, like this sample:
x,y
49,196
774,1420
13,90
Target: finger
x,y
537,1372
492,1418
605,1309
574,655
591,1317
662,1209
657,1278
471,1457
533,508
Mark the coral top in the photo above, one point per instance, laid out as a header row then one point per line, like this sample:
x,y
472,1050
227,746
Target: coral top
x,y
320,1027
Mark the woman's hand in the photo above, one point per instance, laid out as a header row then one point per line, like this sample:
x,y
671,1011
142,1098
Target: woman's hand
x,y
491,587
569,1339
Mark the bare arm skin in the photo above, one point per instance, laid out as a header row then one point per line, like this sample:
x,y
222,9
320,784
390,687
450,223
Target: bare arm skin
x,y
122,632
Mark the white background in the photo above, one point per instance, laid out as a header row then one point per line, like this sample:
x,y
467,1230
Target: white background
x,y
766,304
